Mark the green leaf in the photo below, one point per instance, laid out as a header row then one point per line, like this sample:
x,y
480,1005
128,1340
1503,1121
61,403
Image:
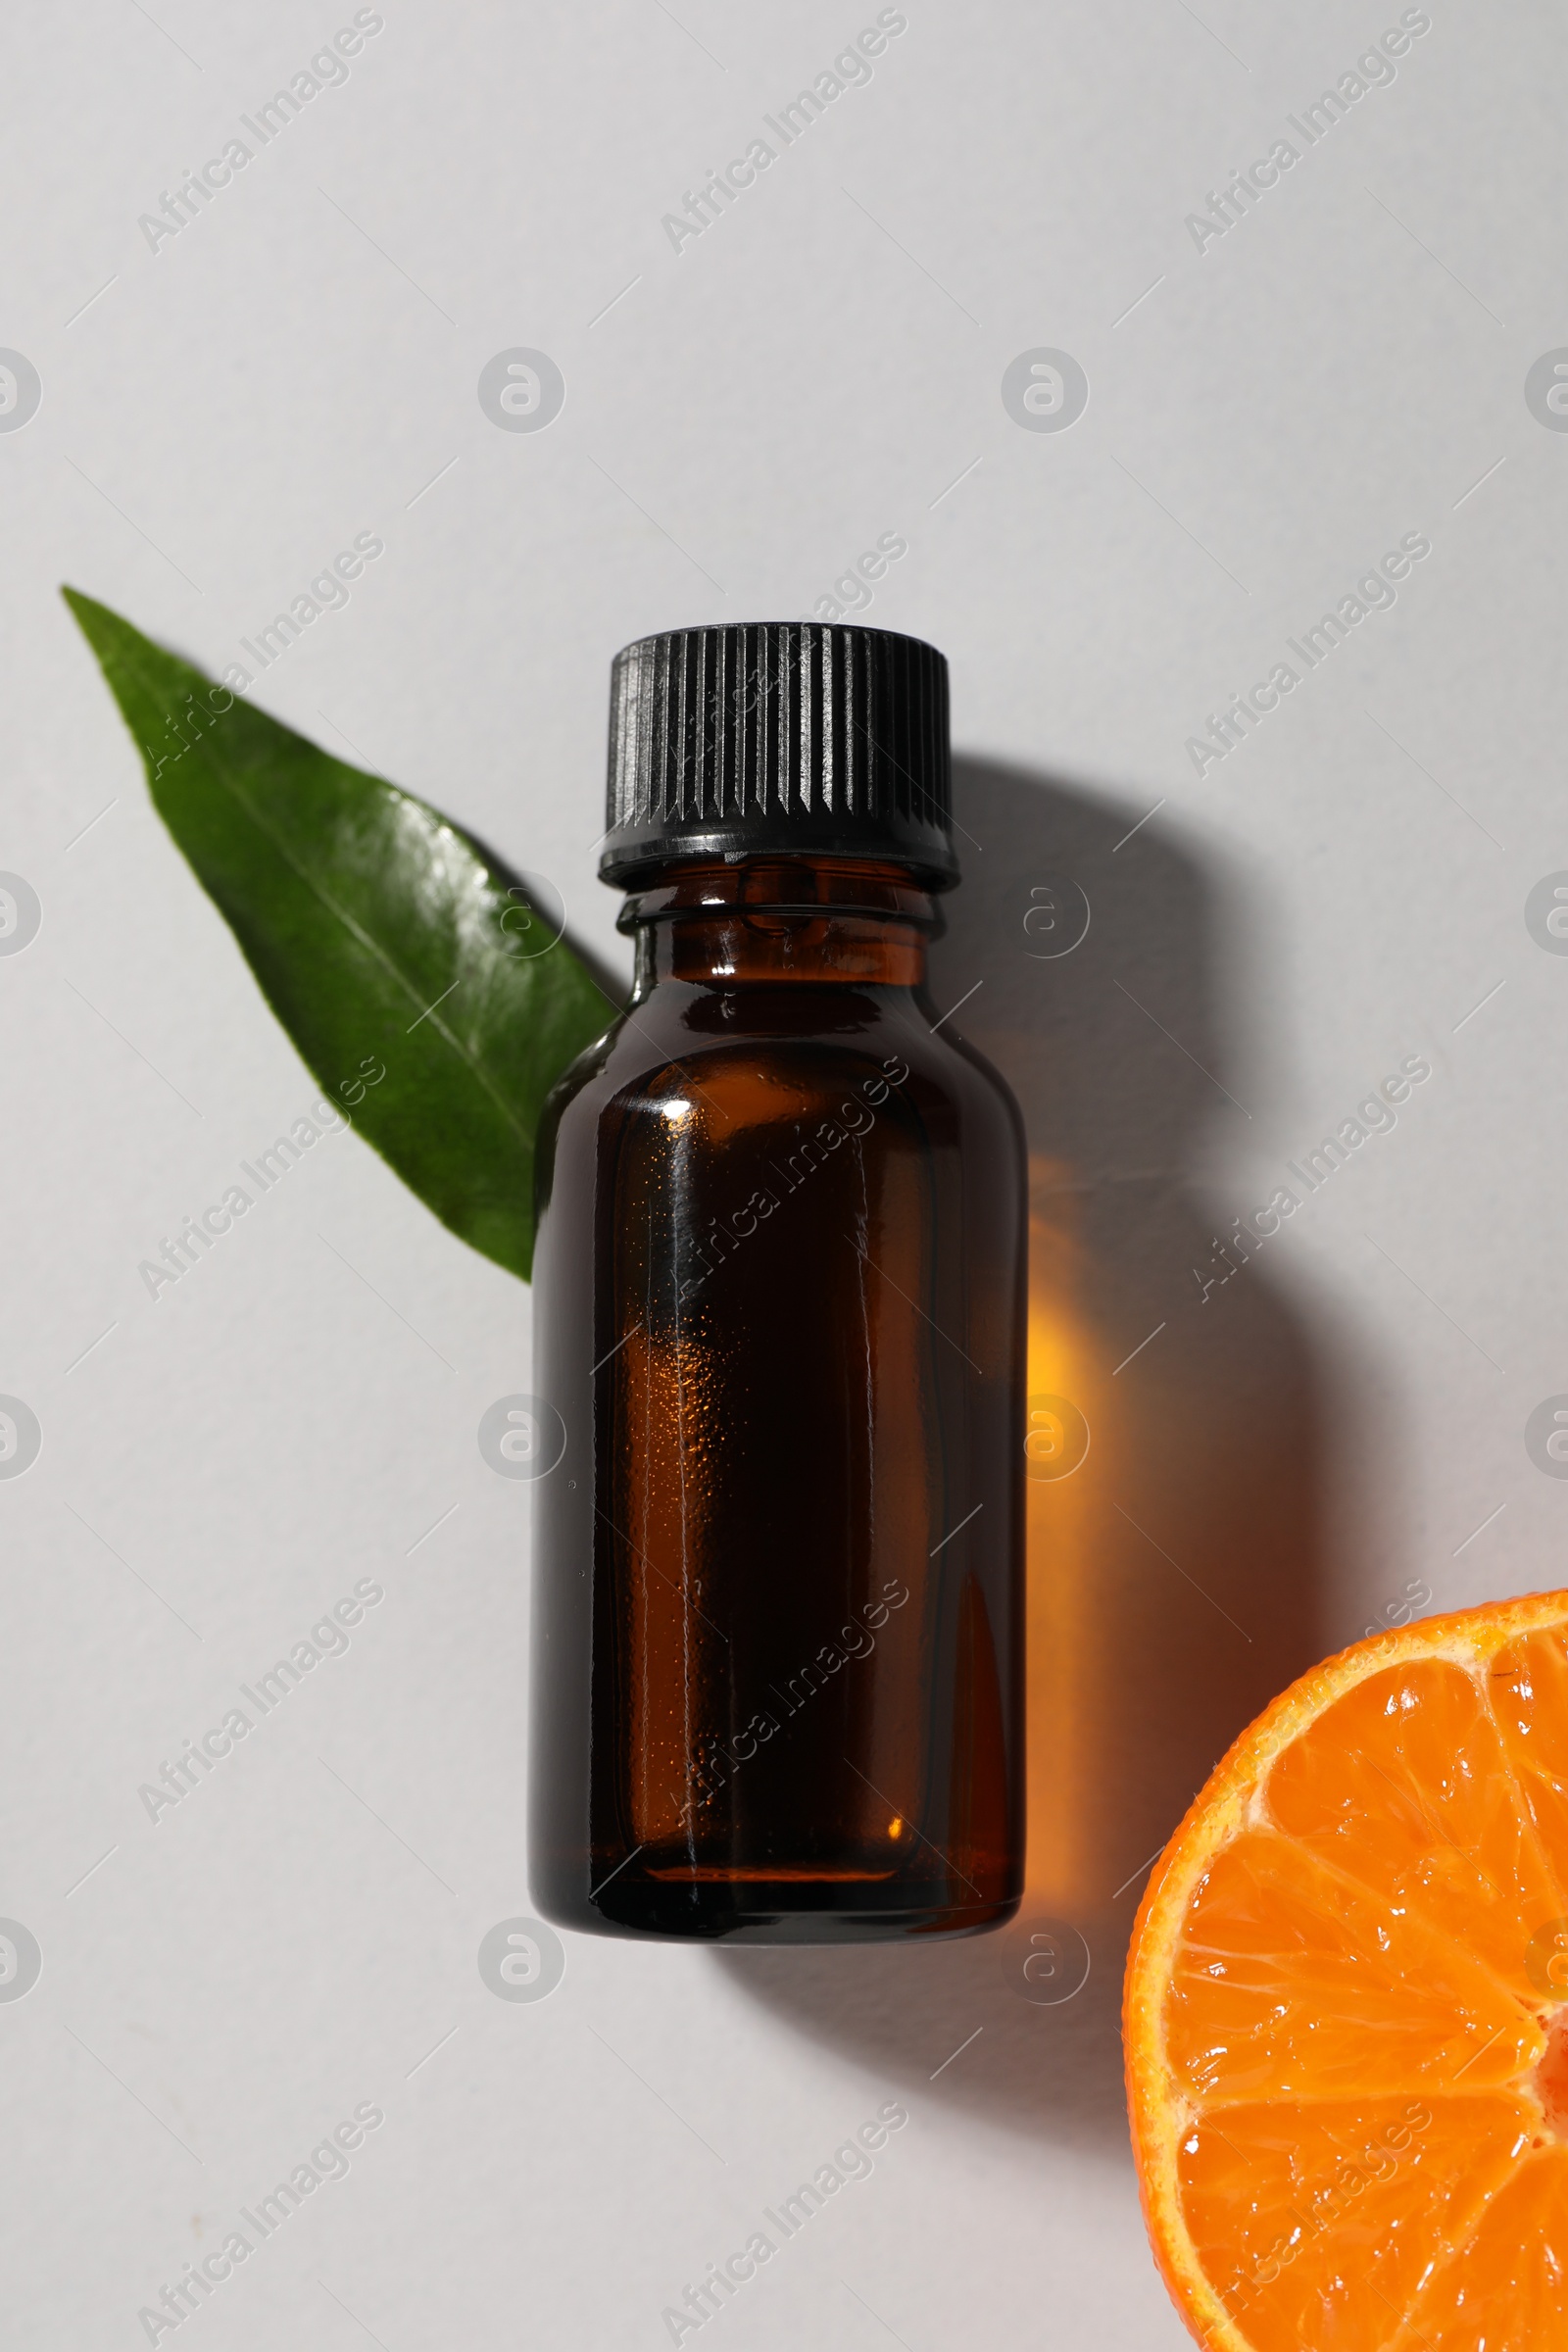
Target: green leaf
x,y
381,936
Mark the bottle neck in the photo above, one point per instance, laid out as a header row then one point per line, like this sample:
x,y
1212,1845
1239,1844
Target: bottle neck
x,y
777,921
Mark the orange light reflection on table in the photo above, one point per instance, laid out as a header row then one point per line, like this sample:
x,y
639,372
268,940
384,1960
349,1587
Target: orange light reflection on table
x,y
1064,1365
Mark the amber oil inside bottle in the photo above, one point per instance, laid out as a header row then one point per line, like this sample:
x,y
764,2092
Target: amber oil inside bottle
x,y
780,1313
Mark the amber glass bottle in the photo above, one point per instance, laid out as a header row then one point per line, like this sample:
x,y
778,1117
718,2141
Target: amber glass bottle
x,y
778,1690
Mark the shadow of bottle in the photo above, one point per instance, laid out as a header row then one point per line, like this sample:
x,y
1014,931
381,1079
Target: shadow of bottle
x,y
1174,1449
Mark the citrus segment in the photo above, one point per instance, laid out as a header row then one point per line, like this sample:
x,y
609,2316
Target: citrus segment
x,y
1317,2222
1414,1798
1528,1687
1346,2008
1507,2289
1282,1963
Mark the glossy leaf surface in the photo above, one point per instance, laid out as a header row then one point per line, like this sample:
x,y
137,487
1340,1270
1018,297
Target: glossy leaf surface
x,y
381,936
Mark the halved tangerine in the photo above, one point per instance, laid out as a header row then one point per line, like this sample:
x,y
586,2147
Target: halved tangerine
x,y
1346,2006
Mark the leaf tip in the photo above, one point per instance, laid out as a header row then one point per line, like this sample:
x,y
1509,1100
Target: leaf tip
x,y
96,621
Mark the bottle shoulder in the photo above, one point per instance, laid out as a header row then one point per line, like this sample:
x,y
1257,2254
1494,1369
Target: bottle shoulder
x,y
748,1054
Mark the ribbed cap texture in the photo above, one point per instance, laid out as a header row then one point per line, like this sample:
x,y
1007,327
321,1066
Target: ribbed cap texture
x,y
778,736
